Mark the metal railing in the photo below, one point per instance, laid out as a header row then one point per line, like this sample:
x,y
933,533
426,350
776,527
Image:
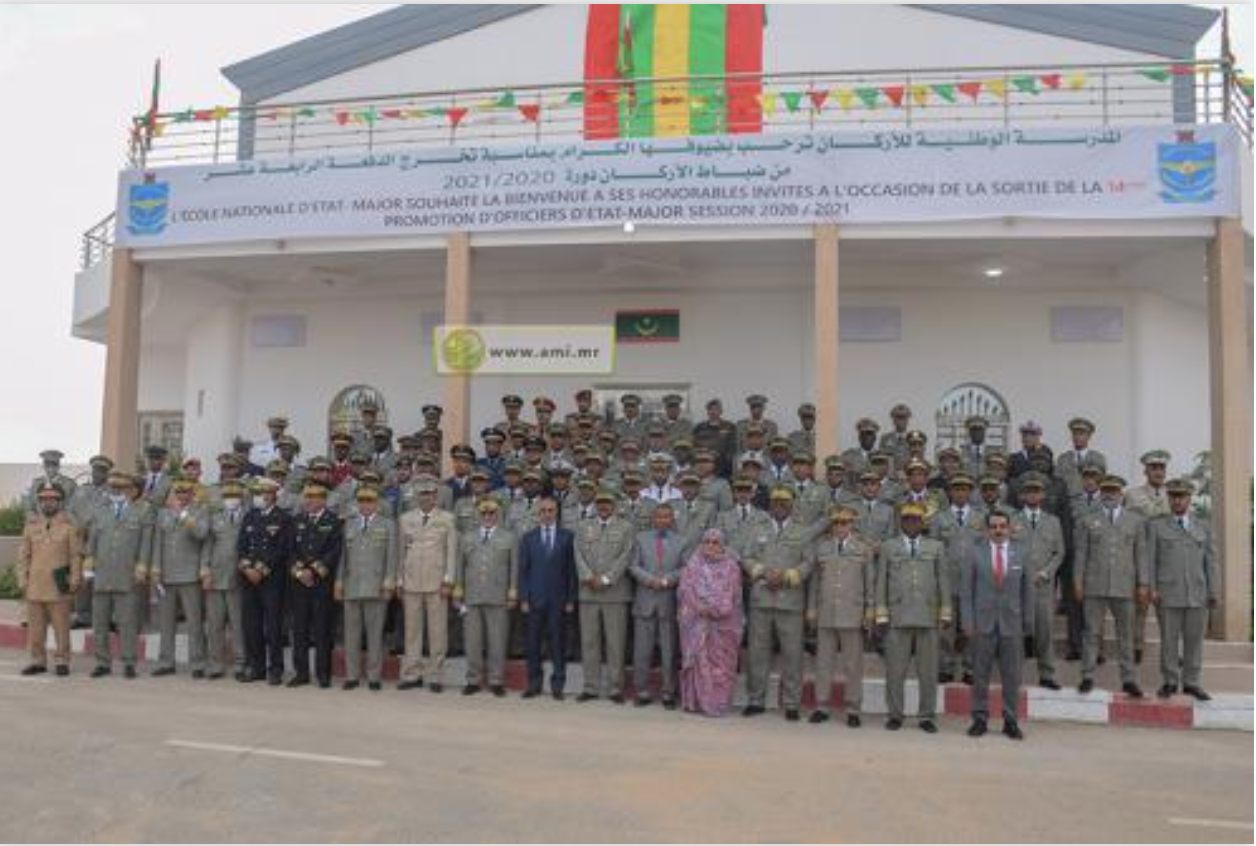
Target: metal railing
x,y
97,242
973,97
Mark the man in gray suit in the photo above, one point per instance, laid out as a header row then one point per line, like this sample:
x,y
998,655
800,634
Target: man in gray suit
x,y
119,548
366,582
655,568
178,555
604,547
1178,552
487,583
997,599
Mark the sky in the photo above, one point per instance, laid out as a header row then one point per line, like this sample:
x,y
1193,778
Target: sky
x,y
71,77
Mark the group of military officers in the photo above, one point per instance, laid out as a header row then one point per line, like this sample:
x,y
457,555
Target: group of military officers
x,y
869,553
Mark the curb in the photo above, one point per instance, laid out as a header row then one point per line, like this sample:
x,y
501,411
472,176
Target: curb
x,y
1233,711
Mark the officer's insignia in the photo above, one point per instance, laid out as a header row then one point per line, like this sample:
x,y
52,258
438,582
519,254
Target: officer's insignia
x,y
1188,170
147,206
272,530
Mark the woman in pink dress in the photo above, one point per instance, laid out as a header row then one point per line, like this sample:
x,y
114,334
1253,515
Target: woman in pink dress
x,y
710,627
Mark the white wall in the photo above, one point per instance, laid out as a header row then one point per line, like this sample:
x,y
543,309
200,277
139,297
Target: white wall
x,y
161,378
212,381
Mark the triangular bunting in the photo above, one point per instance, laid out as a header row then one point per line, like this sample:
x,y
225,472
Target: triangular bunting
x,y
997,87
971,90
1025,84
894,93
455,115
845,98
792,99
817,99
919,95
1051,80
1075,81
531,111
1155,74
768,101
868,96
946,91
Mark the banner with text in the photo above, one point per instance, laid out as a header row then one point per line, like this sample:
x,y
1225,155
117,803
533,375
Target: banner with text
x,y
524,350
872,177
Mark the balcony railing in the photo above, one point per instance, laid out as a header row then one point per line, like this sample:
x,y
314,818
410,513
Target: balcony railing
x,y
1208,91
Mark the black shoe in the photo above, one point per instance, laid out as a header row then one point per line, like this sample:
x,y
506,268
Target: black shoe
x,y
1166,690
617,698
198,674
968,678
1012,731
411,685
586,697
162,671
470,689
375,686
1138,656
247,677
791,715
275,680
497,690
350,685
928,727
101,671
977,729
1132,690
557,696
893,724
1086,686
324,682
945,678
853,721
63,670
129,671
669,704
215,676
81,624
752,710
1049,684
436,687
818,717
1073,655
298,681
1198,692
642,701
34,669
530,693
1101,660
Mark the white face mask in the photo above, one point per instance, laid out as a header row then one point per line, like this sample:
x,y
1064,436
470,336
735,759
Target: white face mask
x,y
259,501
231,504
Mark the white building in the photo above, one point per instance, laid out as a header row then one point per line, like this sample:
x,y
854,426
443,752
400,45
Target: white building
x,y
1139,320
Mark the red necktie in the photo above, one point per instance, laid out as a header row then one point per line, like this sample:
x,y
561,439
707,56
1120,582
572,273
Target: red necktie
x,y
658,549
998,565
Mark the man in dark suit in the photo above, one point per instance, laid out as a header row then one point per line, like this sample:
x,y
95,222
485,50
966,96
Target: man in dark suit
x,y
997,597
1031,446
547,590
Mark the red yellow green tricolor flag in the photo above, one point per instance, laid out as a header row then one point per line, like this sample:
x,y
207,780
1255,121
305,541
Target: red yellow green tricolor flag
x,y
640,57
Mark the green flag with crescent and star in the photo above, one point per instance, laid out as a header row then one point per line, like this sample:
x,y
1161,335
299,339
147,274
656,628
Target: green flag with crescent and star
x,y
646,327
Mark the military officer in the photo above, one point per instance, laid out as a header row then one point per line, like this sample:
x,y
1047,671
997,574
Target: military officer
x,y
428,571
1069,463
220,581
341,450
631,424
757,405
950,463
841,605
52,475
660,488
712,487
317,546
1178,552
383,456
1108,578
1031,445
913,601
917,491
656,443
1040,534
958,527
363,440
777,563
49,570
973,454
803,439
633,506
155,487
512,404
836,491
715,434
744,520
493,461
486,584
581,506
1081,504
876,520
894,442
892,483
80,507
365,583
175,569
543,409
119,548
675,423
1148,500
604,548
693,515
812,500
858,459
777,470
917,442
267,451
584,407
458,485
264,551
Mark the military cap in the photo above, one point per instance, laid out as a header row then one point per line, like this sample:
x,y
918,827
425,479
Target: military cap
x,y
961,480
714,403
915,436
673,399
867,424
408,441
807,410
532,473
655,429
560,468
948,452
426,484
587,419
631,477
1091,469
52,455
752,459
1180,487
370,477
988,482
869,476
604,495
491,433
1081,424
754,428
315,491
1111,482
191,461
426,459
533,442
880,458
277,465
703,455
660,460
341,438
742,483
382,432
996,459
430,410
690,477
512,466
630,399
277,421
478,473
834,462
543,404
369,405
241,444
265,485
232,488
1032,481
756,399
778,443
156,451
366,493
911,509
781,494
802,457
629,444
900,410
121,479
48,489
427,433
585,483
107,463
512,401
595,455
580,447
488,505
917,464
584,394
1029,427
843,514
1156,456
558,429
976,421
462,451
318,462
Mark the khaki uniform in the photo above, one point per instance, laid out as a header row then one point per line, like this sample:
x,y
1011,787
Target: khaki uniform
x,y
693,517
50,556
740,527
716,491
958,538
604,553
841,598
429,562
487,580
222,597
1109,573
368,568
914,597
1148,502
812,503
876,522
1068,466
1042,538
119,548
178,554
639,512
788,552
1181,563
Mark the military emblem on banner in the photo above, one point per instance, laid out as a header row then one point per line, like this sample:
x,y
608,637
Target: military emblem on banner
x,y
647,327
147,206
1188,170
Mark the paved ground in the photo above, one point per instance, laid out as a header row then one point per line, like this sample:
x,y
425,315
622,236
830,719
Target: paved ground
x,y
177,760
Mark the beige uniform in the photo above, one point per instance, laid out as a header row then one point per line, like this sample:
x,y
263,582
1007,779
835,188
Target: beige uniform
x,y
429,561
50,557
841,599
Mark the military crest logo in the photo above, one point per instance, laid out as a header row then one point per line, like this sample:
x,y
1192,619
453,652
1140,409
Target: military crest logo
x,y
147,206
1188,170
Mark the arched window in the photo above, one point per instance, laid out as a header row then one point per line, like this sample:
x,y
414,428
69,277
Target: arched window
x,y
964,401
344,415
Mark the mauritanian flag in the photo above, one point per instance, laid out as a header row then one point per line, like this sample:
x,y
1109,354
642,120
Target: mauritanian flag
x,y
639,58
647,327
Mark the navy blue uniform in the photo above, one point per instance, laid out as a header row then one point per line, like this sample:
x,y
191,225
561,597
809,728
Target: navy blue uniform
x,y
264,546
317,543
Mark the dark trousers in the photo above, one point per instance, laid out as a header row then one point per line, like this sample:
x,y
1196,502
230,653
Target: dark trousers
x,y
313,618
1072,606
546,622
1008,651
261,607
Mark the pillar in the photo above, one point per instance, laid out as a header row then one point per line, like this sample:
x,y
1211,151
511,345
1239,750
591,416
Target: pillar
x,y
457,389
119,430
1231,428
826,340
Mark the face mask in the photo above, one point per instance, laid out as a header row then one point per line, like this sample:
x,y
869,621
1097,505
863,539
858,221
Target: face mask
x,y
259,501
117,498
231,504
49,509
